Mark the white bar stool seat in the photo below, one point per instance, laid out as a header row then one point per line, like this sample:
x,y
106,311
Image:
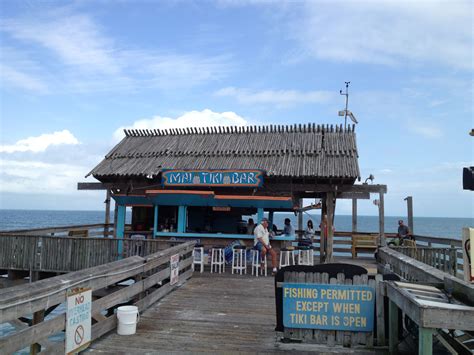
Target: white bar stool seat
x,y
239,259
305,255
287,257
217,259
198,256
257,263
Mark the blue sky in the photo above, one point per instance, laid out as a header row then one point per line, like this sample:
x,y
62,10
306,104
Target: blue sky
x,y
74,74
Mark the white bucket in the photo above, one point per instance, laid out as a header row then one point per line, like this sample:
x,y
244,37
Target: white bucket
x,y
128,318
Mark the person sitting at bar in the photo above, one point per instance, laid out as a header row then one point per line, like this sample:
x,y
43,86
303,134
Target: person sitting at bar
x,y
288,229
250,226
262,243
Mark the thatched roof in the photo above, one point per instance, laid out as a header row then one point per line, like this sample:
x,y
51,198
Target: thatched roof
x,y
298,151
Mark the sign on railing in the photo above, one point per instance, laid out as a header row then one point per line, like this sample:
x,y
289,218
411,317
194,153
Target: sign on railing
x,y
329,307
174,269
78,320
236,178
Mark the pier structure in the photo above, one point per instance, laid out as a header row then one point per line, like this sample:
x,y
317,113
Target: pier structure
x,y
205,183
195,186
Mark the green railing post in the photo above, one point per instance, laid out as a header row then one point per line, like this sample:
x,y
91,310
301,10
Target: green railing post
x,y
392,327
425,342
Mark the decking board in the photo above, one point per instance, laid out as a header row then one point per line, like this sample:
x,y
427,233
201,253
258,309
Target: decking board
x,y
211,313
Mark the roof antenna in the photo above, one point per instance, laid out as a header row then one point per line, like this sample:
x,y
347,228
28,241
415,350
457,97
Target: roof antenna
x,y
346,112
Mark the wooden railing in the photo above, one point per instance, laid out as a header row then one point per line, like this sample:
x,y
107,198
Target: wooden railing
x,y
416,271
89,230
151,275
66,254
444,259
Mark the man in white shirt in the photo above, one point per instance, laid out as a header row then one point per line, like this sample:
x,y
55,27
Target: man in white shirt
x,y
262,242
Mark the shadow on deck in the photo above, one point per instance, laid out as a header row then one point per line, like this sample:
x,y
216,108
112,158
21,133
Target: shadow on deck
x,y
212,313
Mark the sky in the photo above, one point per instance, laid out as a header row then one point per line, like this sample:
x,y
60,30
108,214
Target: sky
x,y
74,74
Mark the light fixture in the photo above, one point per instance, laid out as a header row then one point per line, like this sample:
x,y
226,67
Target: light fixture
x,y
371,178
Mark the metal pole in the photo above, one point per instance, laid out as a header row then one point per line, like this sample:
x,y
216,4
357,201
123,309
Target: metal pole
x,y
409,201
354,215
347,102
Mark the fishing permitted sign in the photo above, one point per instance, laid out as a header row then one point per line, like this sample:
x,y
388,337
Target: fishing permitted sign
x,y
330,307
78,320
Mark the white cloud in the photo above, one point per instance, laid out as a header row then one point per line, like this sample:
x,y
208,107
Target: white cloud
x,y
386,32
22,80
204,118
73,37
275,97
84,58
39,177
426,130
40,143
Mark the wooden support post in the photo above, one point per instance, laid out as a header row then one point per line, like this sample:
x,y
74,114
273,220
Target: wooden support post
x,y
107,213
120,228
330,236
425,342
115,219
38,317
323,238
182,219
300,215
392,327
155,221
380,310
382,241
354,215
409,201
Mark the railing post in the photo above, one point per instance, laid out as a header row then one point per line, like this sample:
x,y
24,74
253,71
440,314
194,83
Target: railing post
x,y
392,327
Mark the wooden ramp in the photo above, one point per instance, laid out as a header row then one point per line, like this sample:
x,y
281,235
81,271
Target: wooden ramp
x,y
210,313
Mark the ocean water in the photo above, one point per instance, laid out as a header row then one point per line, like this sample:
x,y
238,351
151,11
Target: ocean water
x,y
429,226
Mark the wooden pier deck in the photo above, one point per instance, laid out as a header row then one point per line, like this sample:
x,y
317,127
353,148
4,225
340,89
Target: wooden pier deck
x,y
217,313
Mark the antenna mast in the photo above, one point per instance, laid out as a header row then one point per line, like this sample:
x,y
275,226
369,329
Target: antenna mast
x,y
346,94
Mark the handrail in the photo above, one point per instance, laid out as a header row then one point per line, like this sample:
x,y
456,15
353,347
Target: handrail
x,y
58,229
66,254
151,273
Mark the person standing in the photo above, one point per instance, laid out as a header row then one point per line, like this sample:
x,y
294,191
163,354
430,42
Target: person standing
x,y
262,243
307,239
250,226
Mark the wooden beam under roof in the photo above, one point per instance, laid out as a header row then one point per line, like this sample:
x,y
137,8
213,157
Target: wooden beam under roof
x,y
91,186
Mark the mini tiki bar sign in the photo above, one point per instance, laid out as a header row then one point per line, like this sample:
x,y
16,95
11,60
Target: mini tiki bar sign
x,y
328,307
239,178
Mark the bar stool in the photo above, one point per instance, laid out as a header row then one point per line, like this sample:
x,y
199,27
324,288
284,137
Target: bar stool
x,y
257,263
239,261
198,256
305,255
287,254
217,259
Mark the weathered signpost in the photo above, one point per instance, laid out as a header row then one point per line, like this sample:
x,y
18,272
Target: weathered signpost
x,y
78,320
174,266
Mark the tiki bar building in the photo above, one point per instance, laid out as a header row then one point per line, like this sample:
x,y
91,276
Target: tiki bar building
x,y
201,182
